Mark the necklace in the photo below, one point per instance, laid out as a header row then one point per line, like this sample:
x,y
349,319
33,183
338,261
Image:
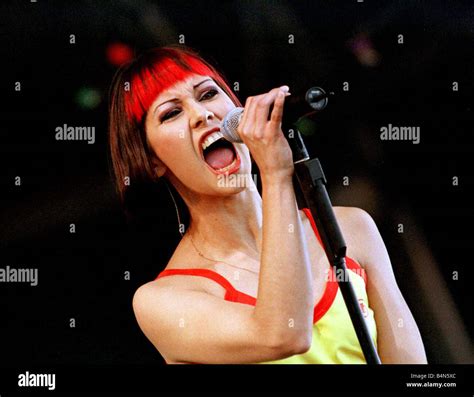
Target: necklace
x,y
213,260
192,241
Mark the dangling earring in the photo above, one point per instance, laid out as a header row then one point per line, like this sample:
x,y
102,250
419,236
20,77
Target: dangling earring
x,y
177,210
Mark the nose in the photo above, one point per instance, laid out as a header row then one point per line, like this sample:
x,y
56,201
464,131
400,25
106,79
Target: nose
x,y
201,117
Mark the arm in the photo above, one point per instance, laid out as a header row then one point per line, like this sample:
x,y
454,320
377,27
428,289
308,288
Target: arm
x,y
285,292
188,326
399,340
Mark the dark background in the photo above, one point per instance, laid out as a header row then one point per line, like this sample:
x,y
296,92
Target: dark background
x,y
81,275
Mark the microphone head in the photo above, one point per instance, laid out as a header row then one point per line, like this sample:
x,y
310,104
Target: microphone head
x,y
316,98
230,123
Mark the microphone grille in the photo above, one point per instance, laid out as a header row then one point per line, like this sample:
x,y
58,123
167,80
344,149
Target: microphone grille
x,y
230,123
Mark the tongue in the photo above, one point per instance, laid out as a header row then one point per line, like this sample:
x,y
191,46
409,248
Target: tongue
x,y
219,157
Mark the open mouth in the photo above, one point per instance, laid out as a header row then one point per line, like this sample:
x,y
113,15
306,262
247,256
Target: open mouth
x,y
220,154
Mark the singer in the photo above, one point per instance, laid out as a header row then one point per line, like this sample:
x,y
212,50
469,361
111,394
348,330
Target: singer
x,y
249,281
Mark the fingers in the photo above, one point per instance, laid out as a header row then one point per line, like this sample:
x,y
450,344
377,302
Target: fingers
x,y
255,116
245,115
264,103
277,112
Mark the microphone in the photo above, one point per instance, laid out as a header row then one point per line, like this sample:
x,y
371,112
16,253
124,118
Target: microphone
x,y
315,97
230,124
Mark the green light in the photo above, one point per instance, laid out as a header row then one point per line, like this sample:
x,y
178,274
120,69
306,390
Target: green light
x,y
88,98
306,126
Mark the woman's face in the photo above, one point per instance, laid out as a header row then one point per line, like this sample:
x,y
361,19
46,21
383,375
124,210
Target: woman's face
x,y
175,124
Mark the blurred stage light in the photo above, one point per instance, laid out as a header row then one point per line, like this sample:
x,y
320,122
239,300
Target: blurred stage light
x,y
119,53
306,126
88,98
362,47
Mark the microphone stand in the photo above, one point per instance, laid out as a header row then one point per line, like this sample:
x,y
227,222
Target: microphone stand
x,y
311,180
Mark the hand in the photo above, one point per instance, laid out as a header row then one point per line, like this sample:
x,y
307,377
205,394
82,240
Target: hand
x,y
263,137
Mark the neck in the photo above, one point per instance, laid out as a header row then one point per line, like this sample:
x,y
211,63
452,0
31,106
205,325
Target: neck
x,y
223,224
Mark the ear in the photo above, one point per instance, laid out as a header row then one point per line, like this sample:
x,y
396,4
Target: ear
x,y
158,167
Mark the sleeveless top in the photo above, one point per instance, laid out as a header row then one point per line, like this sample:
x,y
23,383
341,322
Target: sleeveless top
x,y
334,339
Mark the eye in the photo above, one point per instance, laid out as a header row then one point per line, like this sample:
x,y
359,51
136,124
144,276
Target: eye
x,y
169,115
209,94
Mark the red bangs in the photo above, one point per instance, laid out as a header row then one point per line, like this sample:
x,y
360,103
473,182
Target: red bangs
x,y
152,79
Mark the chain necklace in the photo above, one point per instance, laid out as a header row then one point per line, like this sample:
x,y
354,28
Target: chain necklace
x,y
192,241
213,260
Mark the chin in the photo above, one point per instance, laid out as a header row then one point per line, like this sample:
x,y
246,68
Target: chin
x,y
236,183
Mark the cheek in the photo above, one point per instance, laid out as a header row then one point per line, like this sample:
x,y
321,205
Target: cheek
x,y
222,105
170,147
225,107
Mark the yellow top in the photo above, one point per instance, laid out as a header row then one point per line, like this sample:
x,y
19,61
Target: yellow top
x,y
334,338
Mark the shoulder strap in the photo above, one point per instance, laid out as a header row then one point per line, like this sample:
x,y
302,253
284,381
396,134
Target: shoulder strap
x,y
230,290
313,224
232,294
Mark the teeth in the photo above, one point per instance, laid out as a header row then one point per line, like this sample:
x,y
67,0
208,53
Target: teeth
x,y
211,139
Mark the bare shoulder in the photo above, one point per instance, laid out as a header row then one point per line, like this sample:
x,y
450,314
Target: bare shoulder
x,y
150,293
172,286
353,217
149,305
358,229
348,216
156,299
167,288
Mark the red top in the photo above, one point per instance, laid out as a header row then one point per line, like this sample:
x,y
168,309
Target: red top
x,y
234,295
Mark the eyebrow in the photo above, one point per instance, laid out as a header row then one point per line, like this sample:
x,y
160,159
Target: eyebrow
x,y
176,99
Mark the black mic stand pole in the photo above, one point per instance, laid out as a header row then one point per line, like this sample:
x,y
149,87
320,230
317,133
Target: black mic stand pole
x,y
312,183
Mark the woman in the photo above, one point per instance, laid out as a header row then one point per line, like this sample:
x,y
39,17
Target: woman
x,y
249,281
